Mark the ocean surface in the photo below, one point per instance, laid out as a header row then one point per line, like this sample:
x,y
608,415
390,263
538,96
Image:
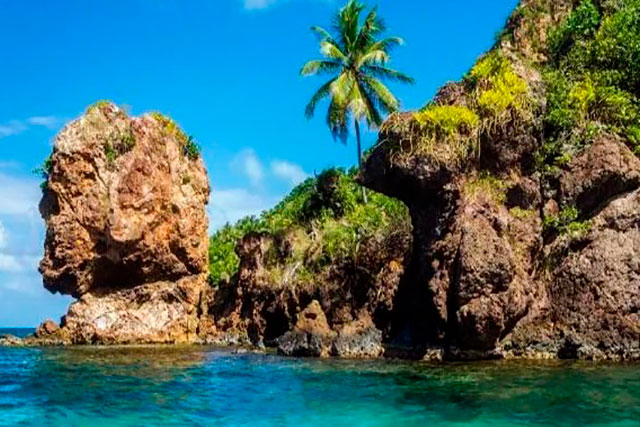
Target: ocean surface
x,y
173,386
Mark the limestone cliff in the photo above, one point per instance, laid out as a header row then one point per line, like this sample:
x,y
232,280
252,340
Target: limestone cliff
x,y
124,207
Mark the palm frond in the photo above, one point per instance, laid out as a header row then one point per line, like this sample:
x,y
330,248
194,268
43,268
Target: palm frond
x,y
323,92
382,72
370,110
337,119
380,95
332,51
346,24
386,45
354,50
322,33
325,36
343,87
316,67
374,57
372,27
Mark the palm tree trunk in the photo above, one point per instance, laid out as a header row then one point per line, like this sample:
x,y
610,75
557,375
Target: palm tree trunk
x,y
364,190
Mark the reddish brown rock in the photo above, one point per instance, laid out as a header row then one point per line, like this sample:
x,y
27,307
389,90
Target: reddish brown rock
x,y
311,336
124,207
606,169
359,339
483,282
47,328
263,301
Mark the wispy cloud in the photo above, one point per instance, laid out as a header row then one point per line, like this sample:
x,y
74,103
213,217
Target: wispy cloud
x,y
230,205
287,171
248,163
27,283
264,4
51,122
4,238
258,4
20,196
16,127
10,263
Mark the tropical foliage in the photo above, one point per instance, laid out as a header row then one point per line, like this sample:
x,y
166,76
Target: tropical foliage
x,y
356,58
326,214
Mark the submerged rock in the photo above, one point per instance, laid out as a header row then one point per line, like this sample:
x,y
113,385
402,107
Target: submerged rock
x,y
124,207
10,341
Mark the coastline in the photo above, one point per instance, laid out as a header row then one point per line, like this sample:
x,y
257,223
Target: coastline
x,y
432,355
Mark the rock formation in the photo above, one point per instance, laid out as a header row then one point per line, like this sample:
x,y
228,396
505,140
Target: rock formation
x,y
342,312
124,206
526,231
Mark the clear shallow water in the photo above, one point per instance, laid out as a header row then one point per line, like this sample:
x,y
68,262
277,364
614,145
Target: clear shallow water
x,y
196,386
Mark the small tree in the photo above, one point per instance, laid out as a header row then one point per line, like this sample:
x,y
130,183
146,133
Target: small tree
x,y
356,58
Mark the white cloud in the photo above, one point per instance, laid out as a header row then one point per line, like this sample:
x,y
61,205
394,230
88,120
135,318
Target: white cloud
x,y
228,206
287,171
20,196
4,238
258,4
27,283
16,127
10,263
51,122
247,163
18,263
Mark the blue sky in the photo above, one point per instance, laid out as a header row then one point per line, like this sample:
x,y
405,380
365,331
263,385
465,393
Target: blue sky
x,y
226,70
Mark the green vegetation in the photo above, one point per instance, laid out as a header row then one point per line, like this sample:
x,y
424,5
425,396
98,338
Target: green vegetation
x,y
325,219
448,132
498,88
520,213
223,261
98,105
120,142
495,97
488,185
566,222
447,121
593,77
189,146
43,171
357,60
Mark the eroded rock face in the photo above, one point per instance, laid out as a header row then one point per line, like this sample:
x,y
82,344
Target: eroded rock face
x,y
124,207
344,310
486,280
607,169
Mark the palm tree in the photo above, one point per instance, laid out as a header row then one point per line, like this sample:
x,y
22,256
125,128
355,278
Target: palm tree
x,y
356,58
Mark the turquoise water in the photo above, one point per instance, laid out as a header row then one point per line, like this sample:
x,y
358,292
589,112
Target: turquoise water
x,y
204,386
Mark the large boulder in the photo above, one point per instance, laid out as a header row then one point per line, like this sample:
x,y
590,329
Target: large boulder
x,y
124,207
607,168
311,336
